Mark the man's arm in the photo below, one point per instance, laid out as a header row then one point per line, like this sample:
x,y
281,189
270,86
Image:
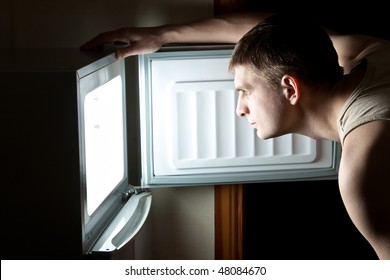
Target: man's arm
x,y
228,28
364,180
352,48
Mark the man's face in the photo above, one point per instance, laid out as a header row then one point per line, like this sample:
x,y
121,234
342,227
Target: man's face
x,y
264,108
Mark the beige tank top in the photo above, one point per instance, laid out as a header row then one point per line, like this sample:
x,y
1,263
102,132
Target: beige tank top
x,y
370,101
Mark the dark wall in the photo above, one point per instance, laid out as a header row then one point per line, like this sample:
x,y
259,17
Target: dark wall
x,y
345,17
300,220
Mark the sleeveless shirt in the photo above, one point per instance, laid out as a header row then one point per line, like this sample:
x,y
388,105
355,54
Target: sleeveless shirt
x,y
370,101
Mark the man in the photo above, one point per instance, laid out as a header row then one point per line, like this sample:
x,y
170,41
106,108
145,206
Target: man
x,y
294,77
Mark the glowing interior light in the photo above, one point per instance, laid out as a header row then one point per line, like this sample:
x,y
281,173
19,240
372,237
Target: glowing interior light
x,y
104,147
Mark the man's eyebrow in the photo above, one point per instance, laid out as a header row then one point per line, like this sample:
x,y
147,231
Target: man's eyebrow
x,y
243,87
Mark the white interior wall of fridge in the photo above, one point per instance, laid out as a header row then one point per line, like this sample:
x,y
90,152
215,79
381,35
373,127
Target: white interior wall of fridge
x,y
195,129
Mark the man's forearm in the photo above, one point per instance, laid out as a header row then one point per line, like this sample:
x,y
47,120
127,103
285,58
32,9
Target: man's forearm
x,y
228,28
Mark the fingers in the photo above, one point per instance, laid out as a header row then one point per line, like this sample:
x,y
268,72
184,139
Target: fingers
x,y
132,49
104,38
127,41
138,47
123,52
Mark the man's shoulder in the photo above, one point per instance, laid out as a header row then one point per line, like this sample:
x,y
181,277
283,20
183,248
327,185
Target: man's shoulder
x,y
374,135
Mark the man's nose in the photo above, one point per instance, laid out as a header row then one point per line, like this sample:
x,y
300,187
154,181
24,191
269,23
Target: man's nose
x,y
241,109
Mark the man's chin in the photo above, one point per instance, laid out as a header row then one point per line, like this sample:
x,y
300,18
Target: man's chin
x,y
264,136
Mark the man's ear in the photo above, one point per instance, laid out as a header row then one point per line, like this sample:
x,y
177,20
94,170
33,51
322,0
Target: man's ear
x,y
291,89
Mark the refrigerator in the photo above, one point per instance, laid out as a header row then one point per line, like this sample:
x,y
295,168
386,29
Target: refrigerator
x,y
68,149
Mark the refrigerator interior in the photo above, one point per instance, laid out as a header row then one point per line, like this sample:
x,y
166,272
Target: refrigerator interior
x,y
190,134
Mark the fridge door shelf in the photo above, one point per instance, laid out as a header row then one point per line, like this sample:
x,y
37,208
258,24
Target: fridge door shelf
x,y
126,223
